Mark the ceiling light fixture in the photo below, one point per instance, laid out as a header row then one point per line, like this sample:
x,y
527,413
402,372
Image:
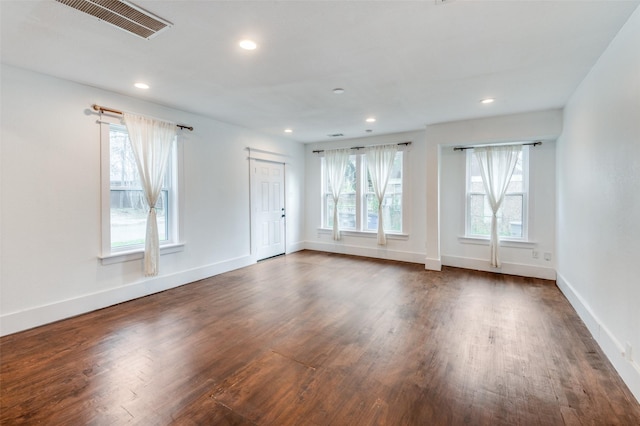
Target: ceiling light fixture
x,y
288,130
370,120
144,86
487,101
248,44
338,91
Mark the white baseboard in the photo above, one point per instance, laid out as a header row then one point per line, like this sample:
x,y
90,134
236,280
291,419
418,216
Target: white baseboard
x,y
432,264
612,348
507,268
29,318
294,247
375,252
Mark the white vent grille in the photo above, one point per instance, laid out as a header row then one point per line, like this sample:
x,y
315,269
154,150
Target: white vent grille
x,y
121,14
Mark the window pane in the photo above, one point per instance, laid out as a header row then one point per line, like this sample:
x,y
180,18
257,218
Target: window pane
x,y
480,215
129,213
347,202
475,178
123,171
358,205
346,211
328,213
349,184
372,212
516,183
391,211
391,204
128,208
476,185
509,216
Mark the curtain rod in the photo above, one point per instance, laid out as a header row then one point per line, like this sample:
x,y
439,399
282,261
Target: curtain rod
x,y
462,148
99,108
317,151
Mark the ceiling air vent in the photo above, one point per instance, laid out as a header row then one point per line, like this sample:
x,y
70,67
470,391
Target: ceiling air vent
x,y
122,14
335,135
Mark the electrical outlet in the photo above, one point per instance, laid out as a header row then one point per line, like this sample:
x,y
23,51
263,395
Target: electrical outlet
x,y
547,256
535,254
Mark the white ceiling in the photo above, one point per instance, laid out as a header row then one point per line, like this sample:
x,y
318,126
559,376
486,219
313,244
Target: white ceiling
x,y
407,63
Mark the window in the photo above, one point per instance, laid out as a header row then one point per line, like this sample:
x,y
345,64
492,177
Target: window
x,y
347,204
358,205
392,202
512,216
124,206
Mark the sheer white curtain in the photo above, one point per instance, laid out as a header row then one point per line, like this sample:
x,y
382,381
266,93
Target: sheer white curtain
x,y
379,164
151,141
336,161
497,164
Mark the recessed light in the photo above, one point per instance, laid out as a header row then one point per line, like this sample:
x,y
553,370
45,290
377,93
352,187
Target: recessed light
x,y
487,101
370,120
288,130
141,85
338,91
248,44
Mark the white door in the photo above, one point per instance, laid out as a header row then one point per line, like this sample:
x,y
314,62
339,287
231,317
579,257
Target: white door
x,y
268,205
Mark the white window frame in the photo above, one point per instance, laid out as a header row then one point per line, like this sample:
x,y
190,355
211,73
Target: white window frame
x,y
468,236
172,244
360,216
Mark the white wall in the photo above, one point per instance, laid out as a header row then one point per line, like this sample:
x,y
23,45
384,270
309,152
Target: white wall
x,y
50,191
409,249
446,192
598,207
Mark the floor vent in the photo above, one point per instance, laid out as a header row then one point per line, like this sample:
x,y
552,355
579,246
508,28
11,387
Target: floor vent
x,y
122,14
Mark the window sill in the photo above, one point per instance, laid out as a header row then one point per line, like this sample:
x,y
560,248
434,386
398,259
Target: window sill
x,y
365,234
503,242
126,256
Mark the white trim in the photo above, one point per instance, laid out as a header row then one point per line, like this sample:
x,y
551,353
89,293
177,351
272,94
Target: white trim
x,y
360,195
294,247
380,252
503,242
507,268
14,322
628,369
264,155
365,234
432,264
253,213
525,193
126,256
176,206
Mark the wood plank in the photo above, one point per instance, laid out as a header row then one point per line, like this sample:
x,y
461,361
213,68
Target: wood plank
x,y
316,338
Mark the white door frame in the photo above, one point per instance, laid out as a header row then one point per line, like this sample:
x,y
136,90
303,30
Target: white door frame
x,y
271,157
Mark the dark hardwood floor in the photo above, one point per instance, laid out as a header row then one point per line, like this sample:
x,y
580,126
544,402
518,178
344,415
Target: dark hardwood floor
x,y
320,339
